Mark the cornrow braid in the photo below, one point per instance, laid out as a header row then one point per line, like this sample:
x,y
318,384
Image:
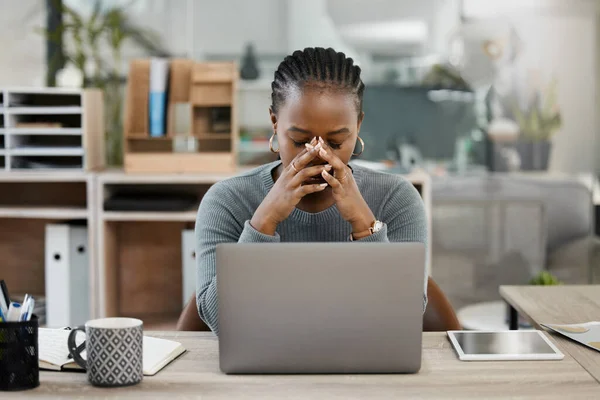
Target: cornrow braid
x,y
325,67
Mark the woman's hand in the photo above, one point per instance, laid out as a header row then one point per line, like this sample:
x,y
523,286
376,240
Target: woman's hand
x,y
350,203
288,190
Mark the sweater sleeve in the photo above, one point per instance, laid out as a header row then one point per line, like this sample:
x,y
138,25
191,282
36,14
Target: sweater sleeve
x,y
404,218
216,223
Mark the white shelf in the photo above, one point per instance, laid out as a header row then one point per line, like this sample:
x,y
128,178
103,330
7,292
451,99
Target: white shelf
x,y
45,110
45,131
121,177
175,216
43,212
47,151
33,175
41,90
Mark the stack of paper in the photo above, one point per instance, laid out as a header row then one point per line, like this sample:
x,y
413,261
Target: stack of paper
x,y
587,333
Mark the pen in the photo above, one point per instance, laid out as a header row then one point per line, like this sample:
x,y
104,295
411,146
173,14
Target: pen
x,y
14,312
3,302
30,308
25,308
5,292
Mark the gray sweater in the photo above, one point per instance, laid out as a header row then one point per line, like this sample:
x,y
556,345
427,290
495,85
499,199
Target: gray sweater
x,y
227,207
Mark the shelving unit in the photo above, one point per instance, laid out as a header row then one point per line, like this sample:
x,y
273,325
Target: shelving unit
x,y
51,129
140,263
139,267
210,91
29,200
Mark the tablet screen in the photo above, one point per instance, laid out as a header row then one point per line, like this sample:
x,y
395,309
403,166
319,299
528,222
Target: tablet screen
x,y
517,345
527,342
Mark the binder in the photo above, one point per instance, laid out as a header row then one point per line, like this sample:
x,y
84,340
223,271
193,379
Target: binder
x,y
159,71
67,275
188,258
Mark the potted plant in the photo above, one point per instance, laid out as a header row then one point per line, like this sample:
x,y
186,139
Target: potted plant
x,y
544,278
537,123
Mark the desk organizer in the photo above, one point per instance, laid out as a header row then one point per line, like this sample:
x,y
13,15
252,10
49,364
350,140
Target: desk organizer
x,y
19,368
51,129
200,110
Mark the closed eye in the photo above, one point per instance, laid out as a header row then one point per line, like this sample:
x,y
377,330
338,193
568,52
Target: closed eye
x,y
299,144
333,145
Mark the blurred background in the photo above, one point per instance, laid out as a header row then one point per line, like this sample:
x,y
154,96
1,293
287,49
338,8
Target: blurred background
x,y
495,101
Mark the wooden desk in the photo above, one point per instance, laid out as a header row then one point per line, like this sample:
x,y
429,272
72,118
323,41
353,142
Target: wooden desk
x,y
196,375
560,305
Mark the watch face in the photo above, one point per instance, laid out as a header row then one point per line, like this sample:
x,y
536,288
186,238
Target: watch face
x,y
377,226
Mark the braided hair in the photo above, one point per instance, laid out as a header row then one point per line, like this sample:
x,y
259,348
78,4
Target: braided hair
x,y
319,68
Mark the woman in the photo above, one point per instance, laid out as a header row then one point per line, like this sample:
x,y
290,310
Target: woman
x,y
311,194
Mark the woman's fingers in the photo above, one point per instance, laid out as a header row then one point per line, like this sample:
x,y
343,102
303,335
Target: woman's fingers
x,y
340,169
335,184
309,172
308,189
304,157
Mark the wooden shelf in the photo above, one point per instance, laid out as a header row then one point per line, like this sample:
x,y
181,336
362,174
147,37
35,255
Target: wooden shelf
x,y
146,137
206,136
43,212
180,162
162,216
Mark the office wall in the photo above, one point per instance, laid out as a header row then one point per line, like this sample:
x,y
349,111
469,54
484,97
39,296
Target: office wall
x,y
563,42
222,26
566,46
597,137
22,59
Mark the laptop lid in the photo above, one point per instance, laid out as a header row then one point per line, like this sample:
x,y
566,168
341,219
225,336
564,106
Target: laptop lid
x,y
320,307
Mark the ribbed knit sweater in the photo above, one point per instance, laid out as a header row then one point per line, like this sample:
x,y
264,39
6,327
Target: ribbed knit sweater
x,y
228,206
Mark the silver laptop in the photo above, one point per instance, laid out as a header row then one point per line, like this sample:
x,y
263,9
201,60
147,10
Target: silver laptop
x,y
320,307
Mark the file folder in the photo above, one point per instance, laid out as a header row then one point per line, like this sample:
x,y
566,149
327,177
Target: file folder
x,y
188,257
67,275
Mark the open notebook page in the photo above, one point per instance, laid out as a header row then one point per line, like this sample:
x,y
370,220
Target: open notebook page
x,y
53,349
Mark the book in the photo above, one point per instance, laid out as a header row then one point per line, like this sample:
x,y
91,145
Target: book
x,y
54,352
587,333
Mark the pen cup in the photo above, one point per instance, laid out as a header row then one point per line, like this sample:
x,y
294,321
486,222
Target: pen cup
x,y
19,368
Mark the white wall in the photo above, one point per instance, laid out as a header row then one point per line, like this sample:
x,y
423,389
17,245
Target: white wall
x,y
224,26
566,47
560,40
597,138
23,55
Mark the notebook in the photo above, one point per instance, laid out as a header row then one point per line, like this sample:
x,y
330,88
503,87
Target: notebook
x,y
54,352
587,333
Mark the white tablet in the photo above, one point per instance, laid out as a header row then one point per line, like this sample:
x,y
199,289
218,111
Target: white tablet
x,y
503,346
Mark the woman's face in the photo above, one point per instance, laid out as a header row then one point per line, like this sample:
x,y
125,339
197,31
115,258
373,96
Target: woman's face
x,y
317,112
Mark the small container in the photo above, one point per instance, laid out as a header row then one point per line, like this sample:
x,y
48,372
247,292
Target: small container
x,y
19,367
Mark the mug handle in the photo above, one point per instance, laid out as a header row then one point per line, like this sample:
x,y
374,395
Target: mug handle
x,y
75,351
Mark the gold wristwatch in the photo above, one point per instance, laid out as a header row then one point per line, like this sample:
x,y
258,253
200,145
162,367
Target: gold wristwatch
x,y
374,228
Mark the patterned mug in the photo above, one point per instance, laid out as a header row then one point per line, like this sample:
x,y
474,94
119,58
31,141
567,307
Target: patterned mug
x,y
114,348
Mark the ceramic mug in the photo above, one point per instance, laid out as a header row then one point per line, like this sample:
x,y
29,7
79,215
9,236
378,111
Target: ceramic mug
x,y
114,348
